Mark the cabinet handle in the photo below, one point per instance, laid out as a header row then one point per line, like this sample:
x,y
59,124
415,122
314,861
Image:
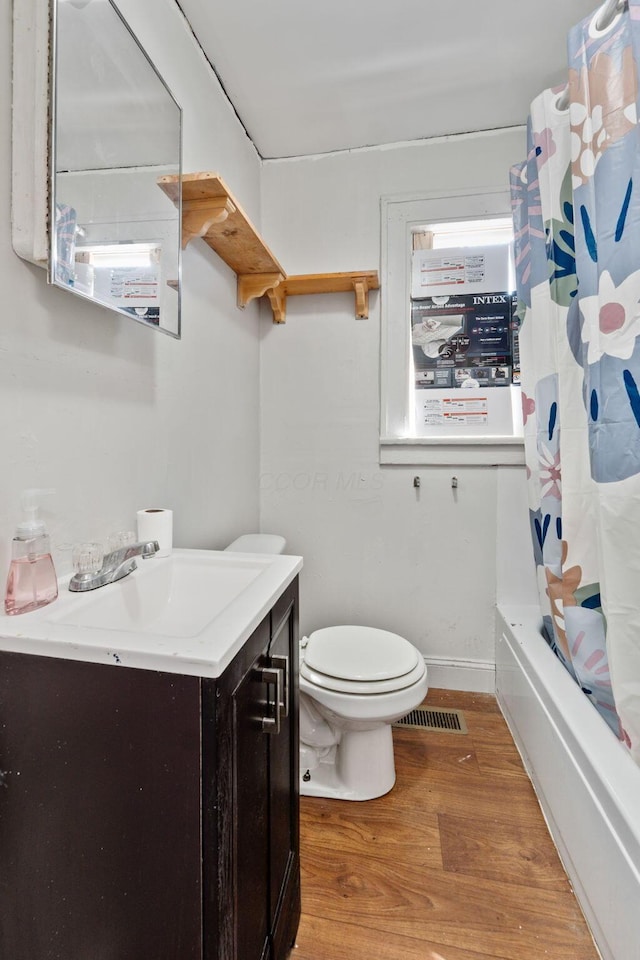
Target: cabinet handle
x,y
273,675
282,663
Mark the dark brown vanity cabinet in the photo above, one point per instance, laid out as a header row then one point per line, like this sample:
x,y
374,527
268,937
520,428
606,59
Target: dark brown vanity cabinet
x,y
255,811
151,815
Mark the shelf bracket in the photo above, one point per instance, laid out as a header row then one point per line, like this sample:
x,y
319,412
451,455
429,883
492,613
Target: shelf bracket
x,y
198,216
361,290
278,300
253,285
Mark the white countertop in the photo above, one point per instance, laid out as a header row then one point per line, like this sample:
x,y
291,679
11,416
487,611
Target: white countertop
x,y
146,621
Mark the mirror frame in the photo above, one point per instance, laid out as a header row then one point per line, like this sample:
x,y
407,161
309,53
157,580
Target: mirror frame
x,y
33,155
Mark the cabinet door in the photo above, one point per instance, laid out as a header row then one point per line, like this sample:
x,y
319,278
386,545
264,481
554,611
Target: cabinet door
x,y
250,798
251,828
284,887
100,852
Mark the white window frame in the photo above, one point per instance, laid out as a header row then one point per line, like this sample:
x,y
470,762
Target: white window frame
x,y
399,216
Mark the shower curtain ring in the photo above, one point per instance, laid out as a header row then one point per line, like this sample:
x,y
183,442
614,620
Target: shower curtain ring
x,y
609,12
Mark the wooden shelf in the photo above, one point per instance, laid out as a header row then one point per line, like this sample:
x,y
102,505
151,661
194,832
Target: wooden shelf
x,y
360,282
210,211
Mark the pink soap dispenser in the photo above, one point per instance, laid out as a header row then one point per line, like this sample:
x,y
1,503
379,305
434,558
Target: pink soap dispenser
x,y
32,581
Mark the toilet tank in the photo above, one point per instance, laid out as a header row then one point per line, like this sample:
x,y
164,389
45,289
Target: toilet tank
x,y
258,543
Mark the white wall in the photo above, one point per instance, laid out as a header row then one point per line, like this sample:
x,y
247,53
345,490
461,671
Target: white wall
x,y
423,563
116,416
113,415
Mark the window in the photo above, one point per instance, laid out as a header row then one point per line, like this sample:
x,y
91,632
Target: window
x,y
123,275
449,355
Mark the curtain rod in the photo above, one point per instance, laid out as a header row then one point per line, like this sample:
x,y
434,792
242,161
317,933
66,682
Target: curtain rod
x,y
608,12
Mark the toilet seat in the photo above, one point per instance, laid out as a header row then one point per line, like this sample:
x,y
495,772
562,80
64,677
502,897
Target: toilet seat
x,y
360,660
359,687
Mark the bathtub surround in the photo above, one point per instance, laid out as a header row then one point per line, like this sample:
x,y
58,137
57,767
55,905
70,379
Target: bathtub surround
x,y
585,780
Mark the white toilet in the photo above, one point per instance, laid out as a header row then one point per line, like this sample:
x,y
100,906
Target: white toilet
x,y
258,543
354,683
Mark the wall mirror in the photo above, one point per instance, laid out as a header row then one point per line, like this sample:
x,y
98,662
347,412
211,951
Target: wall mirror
x,y
116,130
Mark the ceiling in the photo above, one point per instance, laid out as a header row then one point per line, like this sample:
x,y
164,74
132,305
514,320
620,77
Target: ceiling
x,y
312,76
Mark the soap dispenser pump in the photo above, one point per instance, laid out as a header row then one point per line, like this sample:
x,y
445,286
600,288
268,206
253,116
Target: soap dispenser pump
x,y
32,581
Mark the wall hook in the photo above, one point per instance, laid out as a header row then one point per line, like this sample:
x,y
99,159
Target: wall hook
x,y
454,482
416,482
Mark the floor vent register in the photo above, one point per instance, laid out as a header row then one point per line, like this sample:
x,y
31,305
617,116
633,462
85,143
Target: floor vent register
x,y
444,720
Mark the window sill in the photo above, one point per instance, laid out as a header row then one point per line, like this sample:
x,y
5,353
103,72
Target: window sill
x,y
453,451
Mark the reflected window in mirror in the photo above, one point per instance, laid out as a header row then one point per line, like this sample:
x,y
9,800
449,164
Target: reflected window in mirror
x,y
115,236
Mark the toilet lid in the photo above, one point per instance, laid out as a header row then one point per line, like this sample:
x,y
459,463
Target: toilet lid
x,y
361,654
360,687
258,543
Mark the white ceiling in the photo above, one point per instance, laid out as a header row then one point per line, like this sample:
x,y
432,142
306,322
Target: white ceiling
x,y
311,76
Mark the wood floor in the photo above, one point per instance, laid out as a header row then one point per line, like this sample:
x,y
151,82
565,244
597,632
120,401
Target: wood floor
x,y
456,863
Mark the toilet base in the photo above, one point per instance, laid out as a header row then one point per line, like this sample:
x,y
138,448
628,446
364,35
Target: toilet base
x,y
359,767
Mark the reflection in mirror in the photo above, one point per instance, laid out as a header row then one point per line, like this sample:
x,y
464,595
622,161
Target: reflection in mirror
x,y
115,235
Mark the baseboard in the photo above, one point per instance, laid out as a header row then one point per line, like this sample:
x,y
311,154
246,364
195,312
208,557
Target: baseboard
x,y
475,676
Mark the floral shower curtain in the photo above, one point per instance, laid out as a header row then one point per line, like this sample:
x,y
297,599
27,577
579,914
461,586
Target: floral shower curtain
x,y
576,207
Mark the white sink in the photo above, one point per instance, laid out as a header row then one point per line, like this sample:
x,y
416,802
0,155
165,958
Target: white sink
x,y
173,599
186,613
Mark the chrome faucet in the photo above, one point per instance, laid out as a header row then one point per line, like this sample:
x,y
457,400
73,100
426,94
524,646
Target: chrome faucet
x,y
116,565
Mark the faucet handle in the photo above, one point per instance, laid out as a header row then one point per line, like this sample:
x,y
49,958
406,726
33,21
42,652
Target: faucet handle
x,y
123,538
87,557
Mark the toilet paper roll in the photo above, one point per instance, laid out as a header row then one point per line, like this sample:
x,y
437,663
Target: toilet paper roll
x,y
156,524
